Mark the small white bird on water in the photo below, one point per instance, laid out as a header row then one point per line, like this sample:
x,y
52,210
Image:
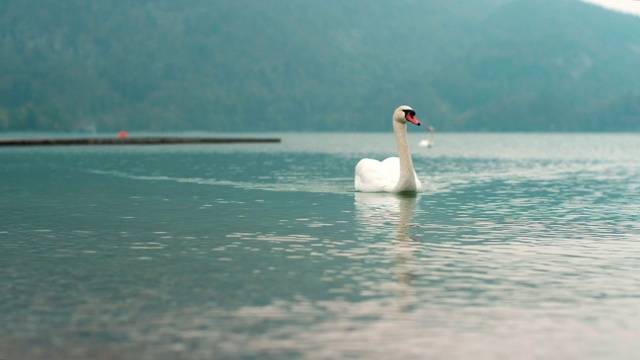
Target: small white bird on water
x,y
394,174
428,142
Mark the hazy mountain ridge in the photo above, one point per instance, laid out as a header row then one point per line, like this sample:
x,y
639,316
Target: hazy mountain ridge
x,y
318,65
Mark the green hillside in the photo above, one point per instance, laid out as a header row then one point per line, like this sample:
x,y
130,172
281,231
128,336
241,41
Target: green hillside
x,y
318,65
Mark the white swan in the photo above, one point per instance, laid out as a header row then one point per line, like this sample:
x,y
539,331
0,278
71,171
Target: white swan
x,y
428,142
394,174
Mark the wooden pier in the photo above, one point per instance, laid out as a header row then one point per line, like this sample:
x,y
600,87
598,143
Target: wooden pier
x,y
129,141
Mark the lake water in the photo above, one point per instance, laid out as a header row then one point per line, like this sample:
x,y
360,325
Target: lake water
x,y
522,246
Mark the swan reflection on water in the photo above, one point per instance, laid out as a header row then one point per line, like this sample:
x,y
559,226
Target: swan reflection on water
x,y
390,215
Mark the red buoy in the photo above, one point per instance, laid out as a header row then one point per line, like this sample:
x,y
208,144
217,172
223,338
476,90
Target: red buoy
x,y
123,134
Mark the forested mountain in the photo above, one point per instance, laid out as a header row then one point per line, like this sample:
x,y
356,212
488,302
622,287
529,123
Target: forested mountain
x,y
316,65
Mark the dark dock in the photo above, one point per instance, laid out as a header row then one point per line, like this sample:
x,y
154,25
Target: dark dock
x,y
129,141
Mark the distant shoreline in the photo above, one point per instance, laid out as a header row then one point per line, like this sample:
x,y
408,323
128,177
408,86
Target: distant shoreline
x,y
130,141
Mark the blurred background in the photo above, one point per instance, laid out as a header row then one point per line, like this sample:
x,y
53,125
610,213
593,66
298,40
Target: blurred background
x,y
317,65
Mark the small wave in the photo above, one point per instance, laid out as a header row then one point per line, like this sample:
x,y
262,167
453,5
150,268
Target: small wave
x,y
308,186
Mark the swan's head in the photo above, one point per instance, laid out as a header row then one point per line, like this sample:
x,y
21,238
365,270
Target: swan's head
x,y
405,113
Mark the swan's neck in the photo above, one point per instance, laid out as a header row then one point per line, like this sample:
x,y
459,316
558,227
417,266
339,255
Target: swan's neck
x,y
407,179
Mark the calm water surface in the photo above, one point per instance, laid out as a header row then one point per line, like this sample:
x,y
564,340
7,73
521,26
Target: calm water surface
x,y
521,246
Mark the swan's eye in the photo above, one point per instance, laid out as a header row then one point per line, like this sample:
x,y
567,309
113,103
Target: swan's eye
x,y
410,112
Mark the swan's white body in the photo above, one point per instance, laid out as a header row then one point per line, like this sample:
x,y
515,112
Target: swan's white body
x,y
425,143
394,174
